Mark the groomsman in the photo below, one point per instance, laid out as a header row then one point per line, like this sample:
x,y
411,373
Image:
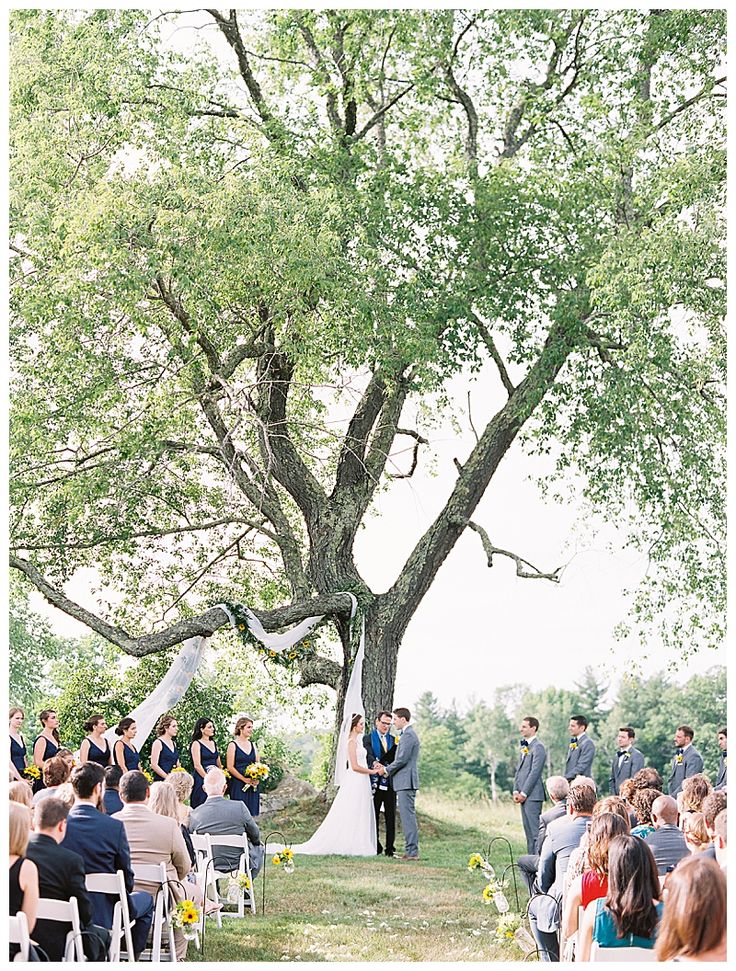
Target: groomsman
x,y
627,761
528,788
687,760
581,749
721,782
380,746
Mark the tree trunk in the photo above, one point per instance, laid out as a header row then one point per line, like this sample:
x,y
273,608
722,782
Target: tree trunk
x,y
492,776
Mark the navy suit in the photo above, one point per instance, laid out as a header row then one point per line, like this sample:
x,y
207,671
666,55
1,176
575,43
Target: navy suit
x,y
113,802
383,790
103,845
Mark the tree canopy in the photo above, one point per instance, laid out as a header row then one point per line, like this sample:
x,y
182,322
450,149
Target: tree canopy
x,y
247,266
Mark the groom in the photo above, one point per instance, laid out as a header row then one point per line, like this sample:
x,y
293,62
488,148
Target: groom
x,y
404,774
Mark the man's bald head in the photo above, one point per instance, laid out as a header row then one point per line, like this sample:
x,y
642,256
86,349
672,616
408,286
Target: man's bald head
x,y
664,811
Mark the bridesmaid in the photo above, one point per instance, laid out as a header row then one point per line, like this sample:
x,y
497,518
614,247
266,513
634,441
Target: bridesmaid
x,y
164,753
17,745
204,756
124,753
95,747
46,745
241,753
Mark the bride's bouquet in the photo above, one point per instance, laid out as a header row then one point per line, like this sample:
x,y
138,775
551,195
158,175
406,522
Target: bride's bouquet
x,y
258,771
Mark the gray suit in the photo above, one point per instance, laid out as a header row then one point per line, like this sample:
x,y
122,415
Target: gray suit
x,y
529,862
692,763
721,780
580,759
228,817
404,775
545,912
625,768
528,781
668,846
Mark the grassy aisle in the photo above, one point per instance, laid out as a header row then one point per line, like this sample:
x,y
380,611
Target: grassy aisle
x,y
344,909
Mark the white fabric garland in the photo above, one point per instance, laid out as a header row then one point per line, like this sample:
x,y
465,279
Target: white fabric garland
x,y
174,684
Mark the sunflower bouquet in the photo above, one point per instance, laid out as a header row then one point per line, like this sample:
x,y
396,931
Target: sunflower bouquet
x,y
258,771
148,775
479,862
186,918
493,893
507,926
32,772
284,858
236,886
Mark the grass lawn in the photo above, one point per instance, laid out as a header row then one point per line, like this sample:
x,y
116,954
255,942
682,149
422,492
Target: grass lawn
x,y
336,908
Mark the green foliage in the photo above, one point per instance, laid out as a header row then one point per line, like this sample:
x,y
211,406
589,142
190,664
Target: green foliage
x,y
322,761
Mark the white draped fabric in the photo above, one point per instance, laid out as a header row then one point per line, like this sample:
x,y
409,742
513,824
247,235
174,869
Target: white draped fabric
x,y
174,684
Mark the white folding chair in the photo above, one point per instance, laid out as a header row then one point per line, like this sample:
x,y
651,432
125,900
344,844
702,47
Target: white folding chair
x,y
113,884
19,935
621,953
241,843
205,870
155,873
66,912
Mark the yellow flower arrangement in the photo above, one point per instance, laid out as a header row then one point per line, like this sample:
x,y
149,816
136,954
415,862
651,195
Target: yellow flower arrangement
x,y
177,768
148,775
276,859
284,857
185,916
32,772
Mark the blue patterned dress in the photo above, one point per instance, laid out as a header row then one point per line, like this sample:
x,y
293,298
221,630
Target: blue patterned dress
x,y
18,755
97,754
238,790
49,752
208,759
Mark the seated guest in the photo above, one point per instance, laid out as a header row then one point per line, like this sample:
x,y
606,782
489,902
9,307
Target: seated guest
x,y
648,778
642,801
101,842
56,772
22,873
153,839
593,882
694,923
578,862
65,794
557,788
713,806
690,798
696,832
225,817
630,913
61,877
563,835
666,842
182,783
626,792
721,838
110,795
20,792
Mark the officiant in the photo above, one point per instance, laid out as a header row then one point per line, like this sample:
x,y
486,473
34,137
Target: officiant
x,y
380,746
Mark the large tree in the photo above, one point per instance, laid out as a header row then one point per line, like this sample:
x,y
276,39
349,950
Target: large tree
x,y
249,256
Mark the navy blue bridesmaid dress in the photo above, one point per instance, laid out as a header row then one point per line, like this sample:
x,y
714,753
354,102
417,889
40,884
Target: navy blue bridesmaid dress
x,y
97,754
208,759
49,752
18,755
167,759
131,758
238,790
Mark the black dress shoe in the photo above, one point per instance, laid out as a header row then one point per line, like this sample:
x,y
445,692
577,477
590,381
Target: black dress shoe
x,y
389,852
379,850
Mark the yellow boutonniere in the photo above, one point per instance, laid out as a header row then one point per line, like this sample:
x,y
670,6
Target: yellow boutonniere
x,y
573,745
680,759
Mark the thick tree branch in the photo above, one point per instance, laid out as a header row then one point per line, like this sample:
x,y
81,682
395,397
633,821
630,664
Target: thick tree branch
x,y
204,625
532,573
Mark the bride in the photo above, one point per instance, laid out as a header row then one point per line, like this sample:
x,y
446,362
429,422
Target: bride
x,y
349,828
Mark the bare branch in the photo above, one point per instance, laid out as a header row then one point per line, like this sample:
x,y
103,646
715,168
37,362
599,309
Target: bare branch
x,y
497,359
705,92
532,573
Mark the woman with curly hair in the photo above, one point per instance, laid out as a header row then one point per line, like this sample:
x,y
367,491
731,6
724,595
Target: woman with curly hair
x,y
695,790
642,801
695,832
630,913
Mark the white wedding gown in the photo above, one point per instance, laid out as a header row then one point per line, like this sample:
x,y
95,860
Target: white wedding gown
x,y
349,828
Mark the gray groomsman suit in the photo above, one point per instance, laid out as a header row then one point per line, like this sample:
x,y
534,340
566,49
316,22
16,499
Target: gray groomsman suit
x,y
528,781
624,768
404,774
580,759
721,782
692,763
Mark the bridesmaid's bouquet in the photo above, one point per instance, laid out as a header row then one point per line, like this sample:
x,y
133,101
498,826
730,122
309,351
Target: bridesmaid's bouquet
x,y
258,771
32,772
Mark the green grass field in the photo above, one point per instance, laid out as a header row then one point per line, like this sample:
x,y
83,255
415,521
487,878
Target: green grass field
x,y
348,909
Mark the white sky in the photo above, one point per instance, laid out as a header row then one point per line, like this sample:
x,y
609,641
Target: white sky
x,y
475,625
